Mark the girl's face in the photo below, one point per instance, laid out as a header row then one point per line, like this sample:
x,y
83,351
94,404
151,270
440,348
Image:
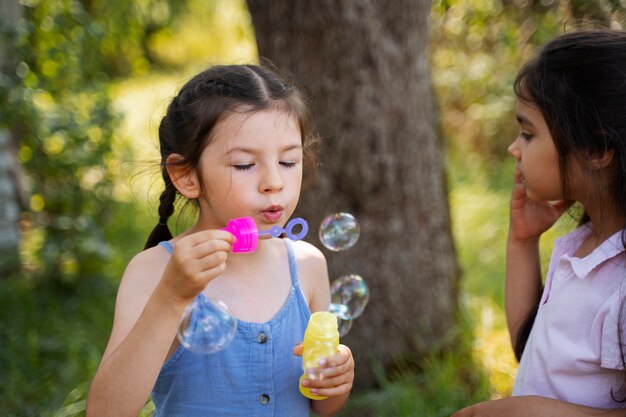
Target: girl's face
x,y
252,167
536,155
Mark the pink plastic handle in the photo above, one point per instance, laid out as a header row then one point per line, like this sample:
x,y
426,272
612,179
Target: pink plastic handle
x,y
246,234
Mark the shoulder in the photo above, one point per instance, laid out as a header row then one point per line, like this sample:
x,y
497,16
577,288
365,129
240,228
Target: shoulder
x,y
308,257
313,274
145,268
140,278
304,251
142,274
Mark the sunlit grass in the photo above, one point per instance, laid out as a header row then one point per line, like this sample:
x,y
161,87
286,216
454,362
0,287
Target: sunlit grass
x,y
491,346
479,204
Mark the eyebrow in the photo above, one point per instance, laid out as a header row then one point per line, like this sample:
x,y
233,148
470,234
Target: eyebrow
x,y
523,120
253,151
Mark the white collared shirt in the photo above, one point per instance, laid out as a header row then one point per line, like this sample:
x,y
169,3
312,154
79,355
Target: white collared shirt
x,y
572,353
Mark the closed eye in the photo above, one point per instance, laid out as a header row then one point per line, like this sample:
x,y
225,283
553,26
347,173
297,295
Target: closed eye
x,y
288,164
243,167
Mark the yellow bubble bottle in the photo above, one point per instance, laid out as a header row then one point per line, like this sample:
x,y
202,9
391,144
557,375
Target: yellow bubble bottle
x,y
321,340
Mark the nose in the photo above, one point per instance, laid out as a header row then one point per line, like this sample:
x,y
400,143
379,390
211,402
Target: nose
x,y
514,149
271,180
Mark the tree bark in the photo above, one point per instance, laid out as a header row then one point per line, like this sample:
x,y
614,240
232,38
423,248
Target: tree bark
x,y
365,66
10,13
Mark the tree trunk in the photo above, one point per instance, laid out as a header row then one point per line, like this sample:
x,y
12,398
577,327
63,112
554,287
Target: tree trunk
x,y
365,66
10,13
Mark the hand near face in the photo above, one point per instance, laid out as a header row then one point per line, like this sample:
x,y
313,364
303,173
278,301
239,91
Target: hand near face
x,y
528,218
336,371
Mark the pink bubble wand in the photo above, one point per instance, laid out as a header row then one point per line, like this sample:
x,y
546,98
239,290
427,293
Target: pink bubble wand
x,y
247,233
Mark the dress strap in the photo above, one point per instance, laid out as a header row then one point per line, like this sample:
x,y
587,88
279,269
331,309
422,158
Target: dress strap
x,y
167,245
293,269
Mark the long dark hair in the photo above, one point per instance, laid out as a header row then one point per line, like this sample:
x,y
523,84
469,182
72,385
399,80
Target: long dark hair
x,y
578,82
206,99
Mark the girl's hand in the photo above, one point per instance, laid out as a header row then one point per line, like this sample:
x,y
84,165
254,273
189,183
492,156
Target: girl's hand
x,y
529,219
196,260
336,371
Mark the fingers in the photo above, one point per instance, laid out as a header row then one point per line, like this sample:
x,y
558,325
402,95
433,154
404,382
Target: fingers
x,y
334,376
203,237
298,349
196,260
207,248
338,364
562,205
336,391
207,258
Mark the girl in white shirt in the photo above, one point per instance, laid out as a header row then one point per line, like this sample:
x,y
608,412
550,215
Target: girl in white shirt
x,y
571,147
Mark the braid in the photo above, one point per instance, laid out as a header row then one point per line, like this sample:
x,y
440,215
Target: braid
x,y
161,231
168,196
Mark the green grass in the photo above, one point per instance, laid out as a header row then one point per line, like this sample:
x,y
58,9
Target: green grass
x,y
433,386
51,342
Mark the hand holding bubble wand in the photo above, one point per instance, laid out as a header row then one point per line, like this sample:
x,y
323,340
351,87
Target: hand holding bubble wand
x,y
206,326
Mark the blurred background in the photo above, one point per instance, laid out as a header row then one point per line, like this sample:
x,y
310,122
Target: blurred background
x,y
82,89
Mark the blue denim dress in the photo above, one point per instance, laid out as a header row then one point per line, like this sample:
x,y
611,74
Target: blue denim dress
x,y
256,375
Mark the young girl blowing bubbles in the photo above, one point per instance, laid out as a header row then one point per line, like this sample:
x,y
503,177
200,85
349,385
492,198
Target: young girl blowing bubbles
x,y
234,142
570,334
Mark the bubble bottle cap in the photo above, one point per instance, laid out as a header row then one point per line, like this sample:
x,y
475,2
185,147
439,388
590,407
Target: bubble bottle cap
x,y
246,234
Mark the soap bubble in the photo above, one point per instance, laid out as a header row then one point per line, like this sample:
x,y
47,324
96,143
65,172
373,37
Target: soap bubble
x,y
339,231
206,326
339,310
349,296
343,326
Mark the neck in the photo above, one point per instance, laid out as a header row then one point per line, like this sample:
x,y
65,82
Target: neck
x,y
605,221
246,266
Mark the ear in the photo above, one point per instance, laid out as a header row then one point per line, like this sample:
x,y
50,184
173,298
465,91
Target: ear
x,y
601,160
184,178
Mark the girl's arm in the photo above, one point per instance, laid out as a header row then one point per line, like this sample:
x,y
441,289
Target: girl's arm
x,y
136,351
534,406
523,285
338,370
528,221
147,313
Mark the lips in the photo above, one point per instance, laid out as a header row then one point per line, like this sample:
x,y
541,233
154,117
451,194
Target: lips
x,y
272,213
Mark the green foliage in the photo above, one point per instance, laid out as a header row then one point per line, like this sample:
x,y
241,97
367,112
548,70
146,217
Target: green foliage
x,y
75,404
218,31
79,41
66,126
50,342
58,105
477,47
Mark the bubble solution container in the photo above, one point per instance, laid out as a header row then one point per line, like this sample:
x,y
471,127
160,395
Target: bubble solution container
x,y
321,340
246,234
